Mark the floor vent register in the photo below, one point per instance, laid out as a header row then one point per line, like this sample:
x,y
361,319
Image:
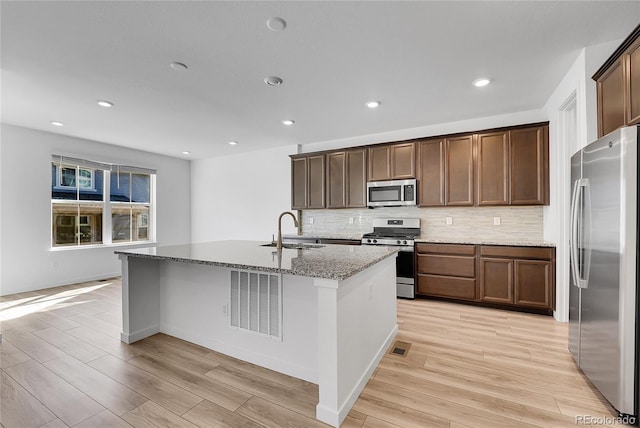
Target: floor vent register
x,y
400,348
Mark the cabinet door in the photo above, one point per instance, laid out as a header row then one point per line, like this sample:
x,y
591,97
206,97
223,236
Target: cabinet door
x,y
431,161
459,171
316,182
496,280
379,163
403,161
299,183
611,99
336,180
529,166
493,168
633,83
356,188
533,283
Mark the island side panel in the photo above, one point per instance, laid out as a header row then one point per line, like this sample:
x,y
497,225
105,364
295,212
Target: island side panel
x,y
357,324
140,298
195,302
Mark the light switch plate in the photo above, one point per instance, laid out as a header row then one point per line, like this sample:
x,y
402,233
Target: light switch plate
x,y
496,221
449,220
310,220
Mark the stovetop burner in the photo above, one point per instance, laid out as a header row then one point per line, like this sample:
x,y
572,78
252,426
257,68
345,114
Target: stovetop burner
x,y
399,232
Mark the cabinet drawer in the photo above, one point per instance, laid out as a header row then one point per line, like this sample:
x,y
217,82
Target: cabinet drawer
x,y
540,253
465,250
447,265
446,286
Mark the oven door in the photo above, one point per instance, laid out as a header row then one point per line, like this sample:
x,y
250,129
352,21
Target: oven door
x,y
405,283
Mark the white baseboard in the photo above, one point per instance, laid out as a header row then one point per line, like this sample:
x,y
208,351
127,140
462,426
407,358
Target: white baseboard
x,y
334,418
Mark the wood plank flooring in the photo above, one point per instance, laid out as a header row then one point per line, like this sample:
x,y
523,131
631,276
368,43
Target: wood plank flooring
x,y
62,365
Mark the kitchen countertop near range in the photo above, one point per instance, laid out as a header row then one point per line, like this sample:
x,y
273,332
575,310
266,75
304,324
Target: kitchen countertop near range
x,y
474,241
336,262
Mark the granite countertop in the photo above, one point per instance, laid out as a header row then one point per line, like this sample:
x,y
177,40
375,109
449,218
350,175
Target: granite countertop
x,y
353,237
336,262
472,241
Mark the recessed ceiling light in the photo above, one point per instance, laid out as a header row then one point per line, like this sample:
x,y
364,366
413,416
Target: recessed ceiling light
x,y
105,103
186,152
288,122
373,104
178,66
56,123
233,143
276,23
273,81
478,83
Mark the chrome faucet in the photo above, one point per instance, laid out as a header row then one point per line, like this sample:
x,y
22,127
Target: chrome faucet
x,y
295,222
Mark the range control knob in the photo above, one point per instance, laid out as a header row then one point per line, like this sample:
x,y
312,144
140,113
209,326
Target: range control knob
x,y
399,242
368,241
375,241
404,242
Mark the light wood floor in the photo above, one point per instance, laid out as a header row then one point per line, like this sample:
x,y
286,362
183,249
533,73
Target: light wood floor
x,y
62,365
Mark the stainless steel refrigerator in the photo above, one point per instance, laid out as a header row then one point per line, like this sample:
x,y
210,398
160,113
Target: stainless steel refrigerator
x,y
603,297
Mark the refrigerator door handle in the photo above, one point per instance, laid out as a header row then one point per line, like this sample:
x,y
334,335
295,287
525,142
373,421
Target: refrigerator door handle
x,y
573,236
586,223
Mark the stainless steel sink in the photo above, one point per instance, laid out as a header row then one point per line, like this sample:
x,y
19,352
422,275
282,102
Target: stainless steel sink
x,y
297,246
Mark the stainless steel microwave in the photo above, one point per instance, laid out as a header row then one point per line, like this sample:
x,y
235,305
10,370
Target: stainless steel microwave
x,y
392,193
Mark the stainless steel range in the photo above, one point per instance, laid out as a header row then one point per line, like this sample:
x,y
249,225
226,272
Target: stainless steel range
x,y
398,232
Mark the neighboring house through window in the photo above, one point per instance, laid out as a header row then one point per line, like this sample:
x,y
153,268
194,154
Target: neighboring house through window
x,y
94,203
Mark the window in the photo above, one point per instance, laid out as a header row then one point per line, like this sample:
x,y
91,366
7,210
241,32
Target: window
x,y
69,176
94,203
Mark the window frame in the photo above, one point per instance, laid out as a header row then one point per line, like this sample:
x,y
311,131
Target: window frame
x,y
106,205
92,180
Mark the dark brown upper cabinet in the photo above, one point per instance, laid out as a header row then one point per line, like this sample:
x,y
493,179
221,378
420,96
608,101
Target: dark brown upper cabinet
x,y
618,86
307,182
431,167
445,169
513,167
459,167
493,168
610,88
392,162
346,179
529,165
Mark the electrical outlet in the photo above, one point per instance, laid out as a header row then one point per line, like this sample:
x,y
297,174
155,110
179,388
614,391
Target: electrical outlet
x,y
496,221
225,309
310,220
449,220
350,220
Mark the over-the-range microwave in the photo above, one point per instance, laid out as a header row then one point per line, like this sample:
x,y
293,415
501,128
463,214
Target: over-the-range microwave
x,y
392,193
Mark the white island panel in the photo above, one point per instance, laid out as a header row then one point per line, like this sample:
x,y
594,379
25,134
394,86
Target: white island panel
x,y
195,307
338,309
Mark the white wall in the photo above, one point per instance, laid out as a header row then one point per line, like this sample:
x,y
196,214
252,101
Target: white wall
x,y
563,143
25,184
241,196
470,125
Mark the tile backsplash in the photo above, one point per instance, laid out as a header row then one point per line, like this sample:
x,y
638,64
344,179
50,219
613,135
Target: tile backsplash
x,y
516,223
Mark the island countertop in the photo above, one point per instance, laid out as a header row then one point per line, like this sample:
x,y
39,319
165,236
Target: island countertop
x,y
336,262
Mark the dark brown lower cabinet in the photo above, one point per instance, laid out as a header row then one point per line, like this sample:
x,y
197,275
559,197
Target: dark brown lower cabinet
x,y
496,280
512,277
446,270
518,276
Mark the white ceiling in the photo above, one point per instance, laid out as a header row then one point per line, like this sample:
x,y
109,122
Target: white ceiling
x,y
418,58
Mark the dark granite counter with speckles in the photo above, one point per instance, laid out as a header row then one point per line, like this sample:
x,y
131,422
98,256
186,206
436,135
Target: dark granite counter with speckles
x,y
337,262
474,241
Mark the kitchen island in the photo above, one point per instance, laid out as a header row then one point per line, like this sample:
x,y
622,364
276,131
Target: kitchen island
x,y
325,314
